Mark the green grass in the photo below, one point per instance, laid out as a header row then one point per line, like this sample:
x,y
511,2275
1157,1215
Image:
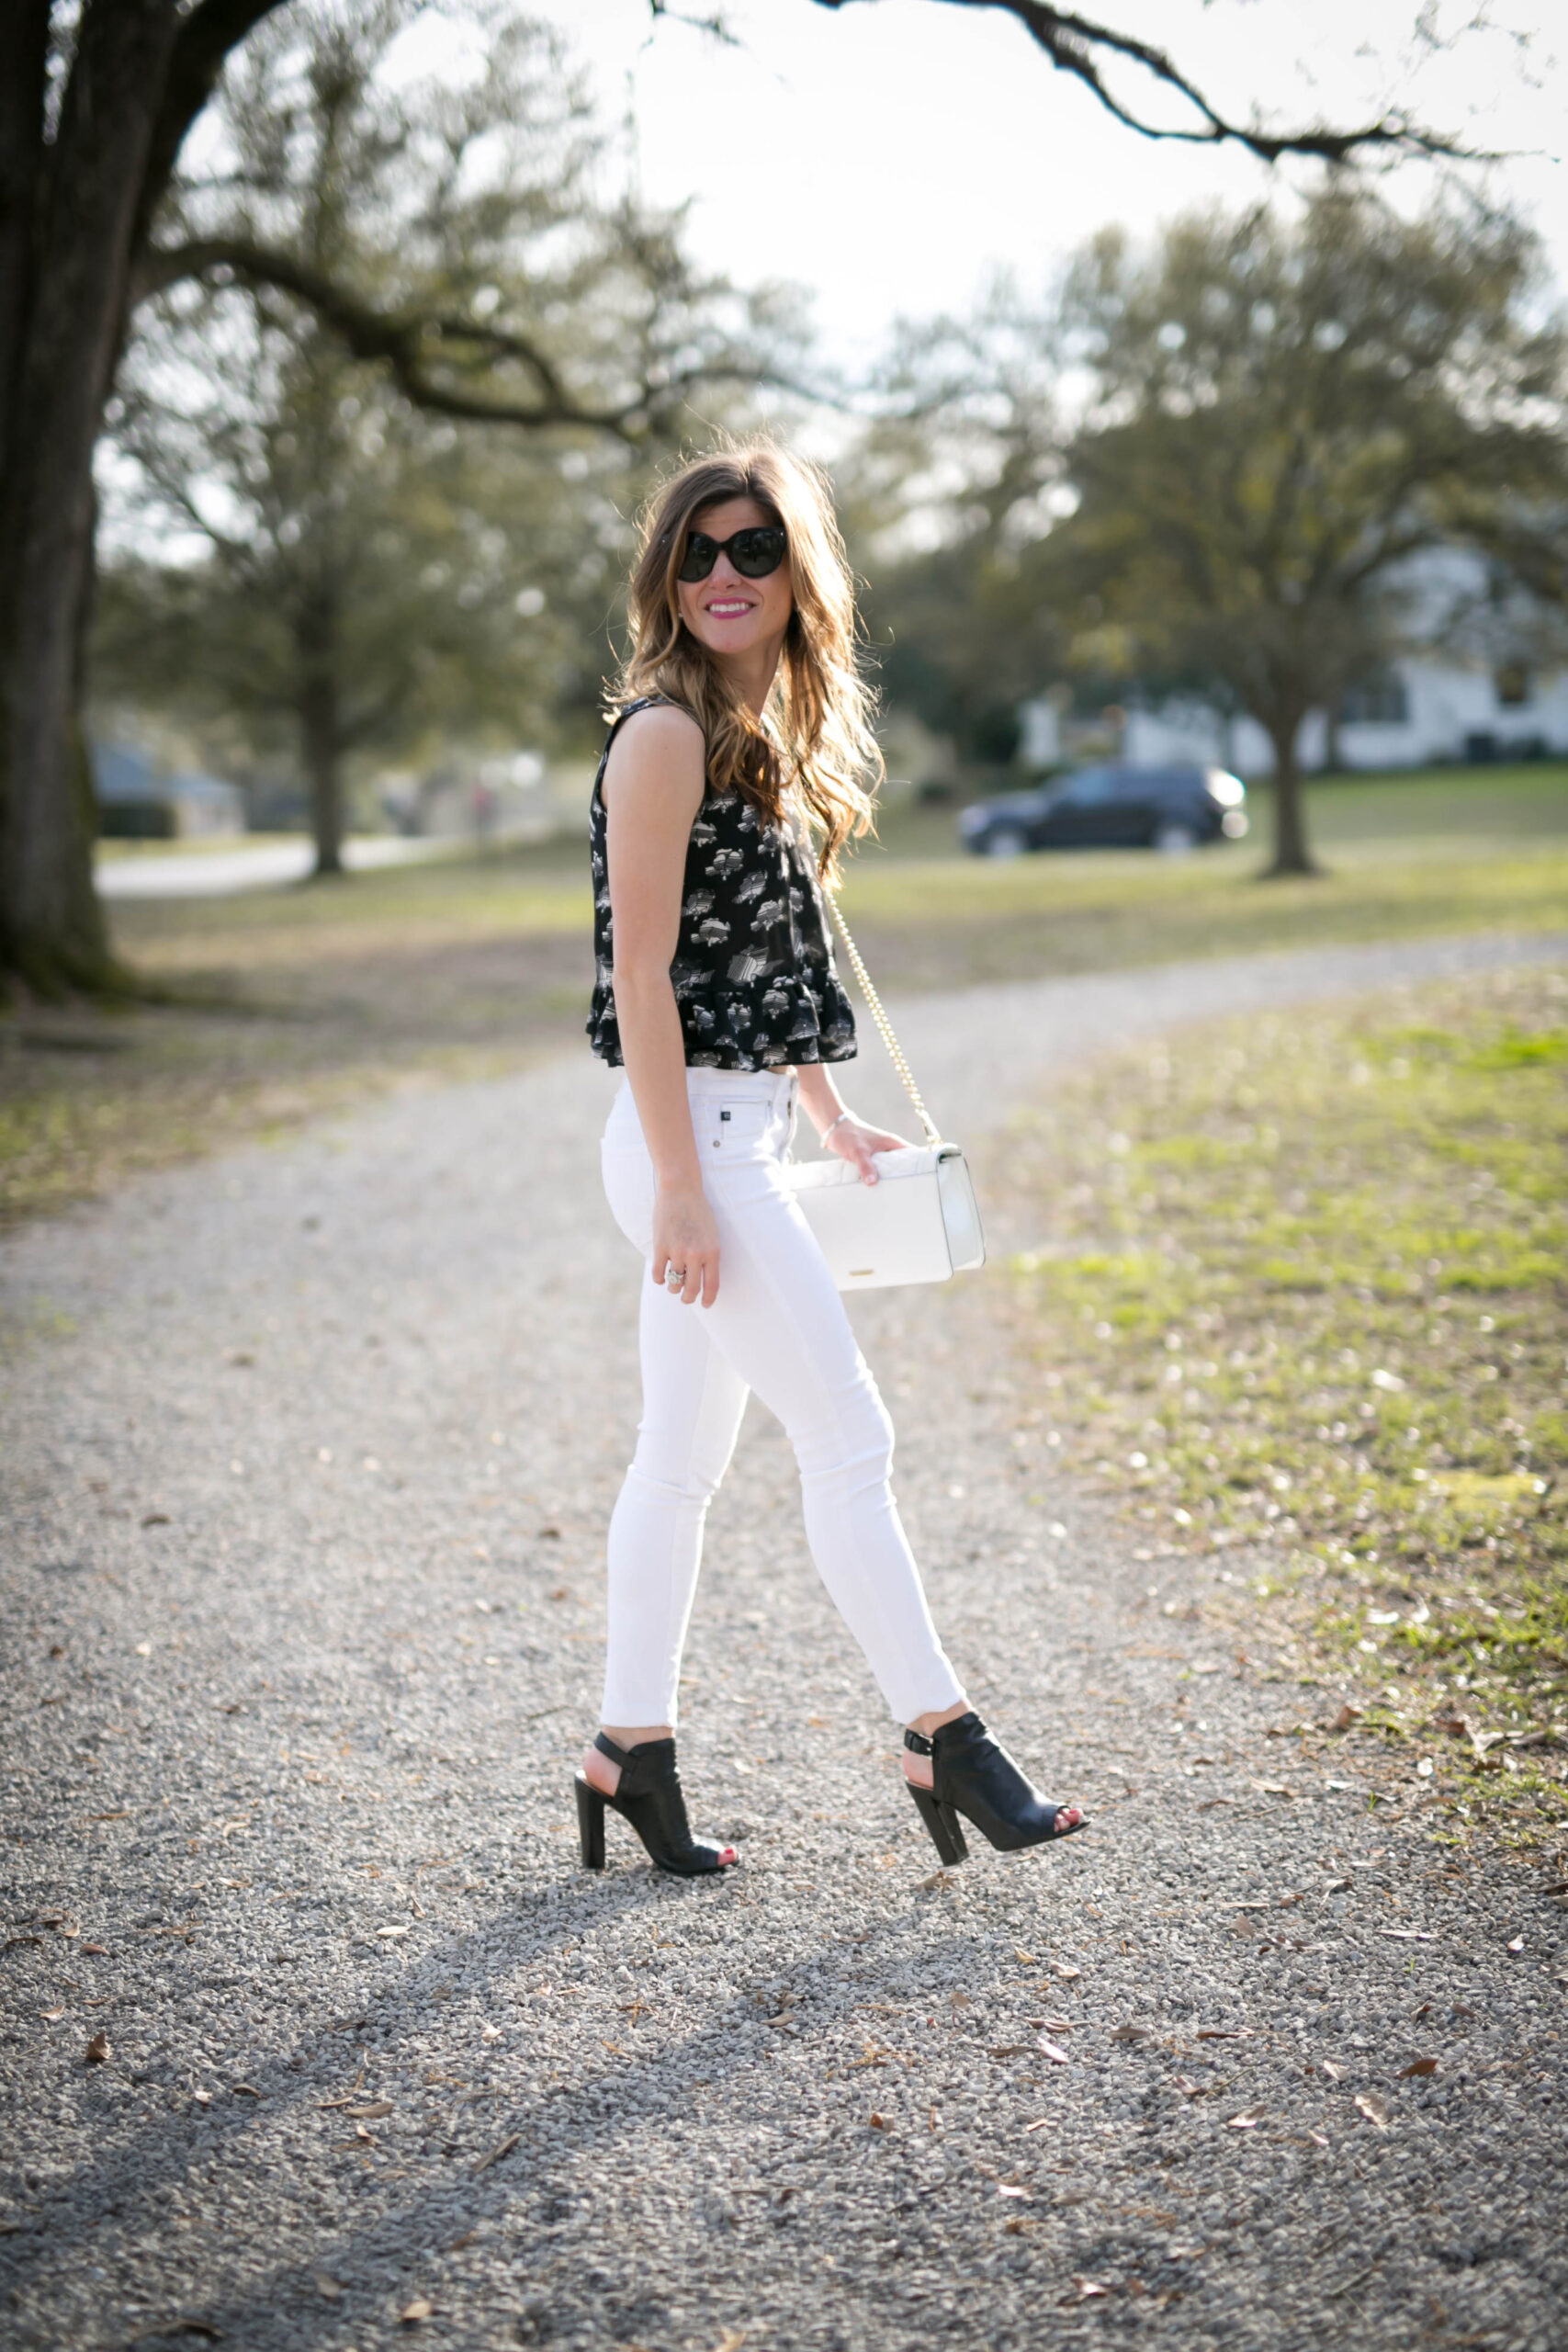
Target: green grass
x,y
1301,1289
283,1002
1441,850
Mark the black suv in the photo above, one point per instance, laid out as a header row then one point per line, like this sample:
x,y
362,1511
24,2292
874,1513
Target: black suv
x,y
1107,807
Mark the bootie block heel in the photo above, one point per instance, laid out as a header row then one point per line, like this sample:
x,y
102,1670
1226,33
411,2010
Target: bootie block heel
x,y
649,1797
972,1774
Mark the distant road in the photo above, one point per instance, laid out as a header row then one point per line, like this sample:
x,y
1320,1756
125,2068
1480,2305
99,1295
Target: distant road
x,y
217,873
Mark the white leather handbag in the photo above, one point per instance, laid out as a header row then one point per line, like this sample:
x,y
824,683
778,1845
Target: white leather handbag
x,y
920,1222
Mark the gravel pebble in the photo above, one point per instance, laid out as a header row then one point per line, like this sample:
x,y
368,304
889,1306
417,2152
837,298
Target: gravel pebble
x,y
307,1455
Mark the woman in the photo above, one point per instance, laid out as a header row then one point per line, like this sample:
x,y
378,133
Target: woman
x,y
740,741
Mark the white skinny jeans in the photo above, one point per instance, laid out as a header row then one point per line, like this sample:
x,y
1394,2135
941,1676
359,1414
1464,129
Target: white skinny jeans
x,y
778,1326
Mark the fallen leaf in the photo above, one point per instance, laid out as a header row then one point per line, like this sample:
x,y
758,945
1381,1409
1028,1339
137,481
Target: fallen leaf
x,y
730,2340
1334,2074
1373,2109
246,2090
1085,2290
1420,2066
1037,2126
1406,1935
377,2107
411,2313
1006,2188
98,2049
1517,1944
1558,1886
1188,2089
1224,2033
1347,1716
489,2033
49,2016
496,2153
1049,2050
1008,2050
387,1932
1245,2122
1064,1970
961,2000
1339,1886
1029,1959
1131,2032
878,2122
99,1952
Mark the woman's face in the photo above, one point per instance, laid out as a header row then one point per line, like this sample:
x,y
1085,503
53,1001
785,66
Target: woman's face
x,y
735,617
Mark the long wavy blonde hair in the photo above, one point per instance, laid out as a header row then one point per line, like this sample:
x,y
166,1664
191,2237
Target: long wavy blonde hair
x,y
814,738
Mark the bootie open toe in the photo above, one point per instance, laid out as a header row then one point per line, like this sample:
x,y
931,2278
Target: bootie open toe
x,y
649,1796
973,1774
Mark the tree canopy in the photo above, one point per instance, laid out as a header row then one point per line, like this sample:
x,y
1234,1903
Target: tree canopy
x,y
1253,429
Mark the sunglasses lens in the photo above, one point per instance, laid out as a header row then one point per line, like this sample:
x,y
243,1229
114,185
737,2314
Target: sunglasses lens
x,y
702,554
756,553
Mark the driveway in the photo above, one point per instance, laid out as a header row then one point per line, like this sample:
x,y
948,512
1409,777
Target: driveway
x,y
316,2035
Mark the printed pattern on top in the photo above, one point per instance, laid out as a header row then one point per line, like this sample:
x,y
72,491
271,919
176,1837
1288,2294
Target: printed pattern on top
x,y
753,972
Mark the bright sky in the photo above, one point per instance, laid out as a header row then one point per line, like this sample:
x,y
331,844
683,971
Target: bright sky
x,y
891,153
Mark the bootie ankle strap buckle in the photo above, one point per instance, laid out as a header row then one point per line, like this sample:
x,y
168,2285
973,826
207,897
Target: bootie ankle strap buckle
x,y
918,1744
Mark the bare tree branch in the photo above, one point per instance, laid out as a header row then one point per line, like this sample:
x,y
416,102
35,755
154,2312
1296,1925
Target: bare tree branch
x,y
204,42
419,348
410,343
1079,46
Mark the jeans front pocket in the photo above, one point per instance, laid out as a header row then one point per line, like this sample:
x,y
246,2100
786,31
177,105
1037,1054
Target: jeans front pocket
x,y
737,1129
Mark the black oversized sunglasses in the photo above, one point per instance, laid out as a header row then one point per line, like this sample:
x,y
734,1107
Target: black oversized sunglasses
x,y
754,552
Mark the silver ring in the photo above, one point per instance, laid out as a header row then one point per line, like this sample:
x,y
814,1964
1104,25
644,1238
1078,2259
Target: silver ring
x,y
675,1277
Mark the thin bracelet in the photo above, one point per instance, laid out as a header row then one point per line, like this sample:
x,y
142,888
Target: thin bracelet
x,y
837,1122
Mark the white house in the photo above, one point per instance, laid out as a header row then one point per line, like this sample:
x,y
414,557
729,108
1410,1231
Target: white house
x,y
1485,679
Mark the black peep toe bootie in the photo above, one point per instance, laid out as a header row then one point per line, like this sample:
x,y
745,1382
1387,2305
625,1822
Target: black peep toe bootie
x,y
649,1797
972,1774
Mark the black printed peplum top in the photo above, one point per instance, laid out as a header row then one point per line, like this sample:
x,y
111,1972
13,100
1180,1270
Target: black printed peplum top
x,y
753,971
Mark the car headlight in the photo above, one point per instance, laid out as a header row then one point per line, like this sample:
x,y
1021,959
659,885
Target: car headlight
x,y
1228,790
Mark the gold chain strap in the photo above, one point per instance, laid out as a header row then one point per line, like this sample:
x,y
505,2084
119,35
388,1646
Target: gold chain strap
x,y
884,1026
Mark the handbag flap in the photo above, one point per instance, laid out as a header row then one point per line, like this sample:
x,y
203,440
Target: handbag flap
x,y
912,1159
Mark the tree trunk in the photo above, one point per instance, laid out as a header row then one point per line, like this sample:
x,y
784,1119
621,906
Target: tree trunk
x,y
66,312
320,731
1292,855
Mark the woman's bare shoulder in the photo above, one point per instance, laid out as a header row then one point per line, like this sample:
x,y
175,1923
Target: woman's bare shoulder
x,y
659,746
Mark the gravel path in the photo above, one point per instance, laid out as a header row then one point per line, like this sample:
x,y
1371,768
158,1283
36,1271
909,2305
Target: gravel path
x,y
309,1453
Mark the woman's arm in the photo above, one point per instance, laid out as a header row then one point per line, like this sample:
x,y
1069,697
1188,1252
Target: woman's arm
x,y
652,790
852,1139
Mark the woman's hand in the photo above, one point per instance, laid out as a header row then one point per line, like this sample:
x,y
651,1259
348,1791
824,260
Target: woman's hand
x,y
853,1140
685,1243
